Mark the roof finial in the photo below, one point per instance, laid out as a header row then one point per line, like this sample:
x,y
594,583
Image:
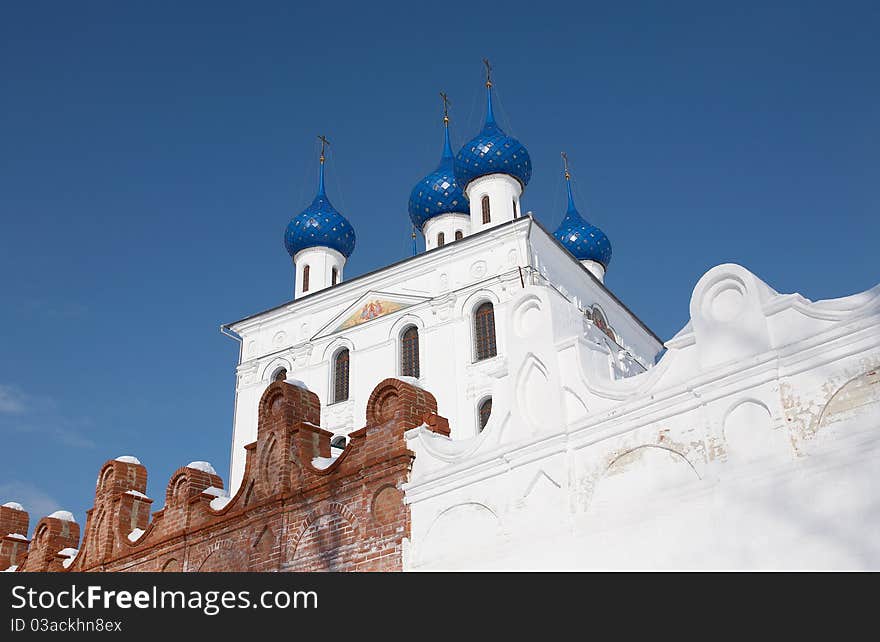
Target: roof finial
x,y
571,205
324,143
447,146
490,115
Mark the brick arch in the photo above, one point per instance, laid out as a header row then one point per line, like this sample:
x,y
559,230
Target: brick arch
x,y
105,478
386,505
95,551
175,488
274,392
391,398
260,556
186,483
286,403
223,556
267,478
328,540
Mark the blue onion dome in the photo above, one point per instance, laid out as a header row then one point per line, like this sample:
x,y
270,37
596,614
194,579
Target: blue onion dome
x,y
492,152
320,225
584,240
438,192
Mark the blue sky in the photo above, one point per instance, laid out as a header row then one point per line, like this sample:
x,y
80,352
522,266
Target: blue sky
x,y
152,154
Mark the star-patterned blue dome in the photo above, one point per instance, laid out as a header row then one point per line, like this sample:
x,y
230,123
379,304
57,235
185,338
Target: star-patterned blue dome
x,y
584,240
438,193
320,225
492,152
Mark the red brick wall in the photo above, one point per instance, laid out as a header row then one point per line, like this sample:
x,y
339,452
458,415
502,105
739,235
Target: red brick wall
x,y
286,516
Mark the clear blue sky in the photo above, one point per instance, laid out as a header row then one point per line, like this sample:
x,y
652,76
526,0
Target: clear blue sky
x,y
151,155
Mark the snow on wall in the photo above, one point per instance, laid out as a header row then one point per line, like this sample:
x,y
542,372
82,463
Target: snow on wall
x,y
64,516
203,466
753,443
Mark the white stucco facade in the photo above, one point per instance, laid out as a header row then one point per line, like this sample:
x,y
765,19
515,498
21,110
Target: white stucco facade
x,y
325,267
753,442
437,292
449,225
501,193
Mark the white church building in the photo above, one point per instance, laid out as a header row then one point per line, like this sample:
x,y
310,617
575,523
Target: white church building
x,y
579,439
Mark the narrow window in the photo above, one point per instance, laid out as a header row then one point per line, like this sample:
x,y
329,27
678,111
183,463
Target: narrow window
x,y
441,239
306,279
486,215
340,376
409,353
514,208
334,276
459,235
485,411
484,331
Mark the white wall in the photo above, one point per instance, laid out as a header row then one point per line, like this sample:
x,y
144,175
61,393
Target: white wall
x,y
753,443
503,191
321,262
441,290
448,225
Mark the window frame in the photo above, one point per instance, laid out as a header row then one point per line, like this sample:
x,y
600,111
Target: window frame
x,y
475,330
334,374
486,208
480,404
401,351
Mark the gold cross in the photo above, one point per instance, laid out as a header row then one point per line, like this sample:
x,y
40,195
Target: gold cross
x,y
488,72
445,107
324,143
565,162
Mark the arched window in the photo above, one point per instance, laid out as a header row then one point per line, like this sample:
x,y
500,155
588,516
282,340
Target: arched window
x,y
459,235
409,352
280,375
338,441
486,214
441,239
334,276
514,208
485,411
340,376
484,331
306,279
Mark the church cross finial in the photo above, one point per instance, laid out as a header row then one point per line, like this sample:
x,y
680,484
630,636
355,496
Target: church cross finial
x,y
445,99
324,143
488,72
565,164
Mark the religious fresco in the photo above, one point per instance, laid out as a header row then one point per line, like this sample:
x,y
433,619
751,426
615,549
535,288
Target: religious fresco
x,y
370,310
596,315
